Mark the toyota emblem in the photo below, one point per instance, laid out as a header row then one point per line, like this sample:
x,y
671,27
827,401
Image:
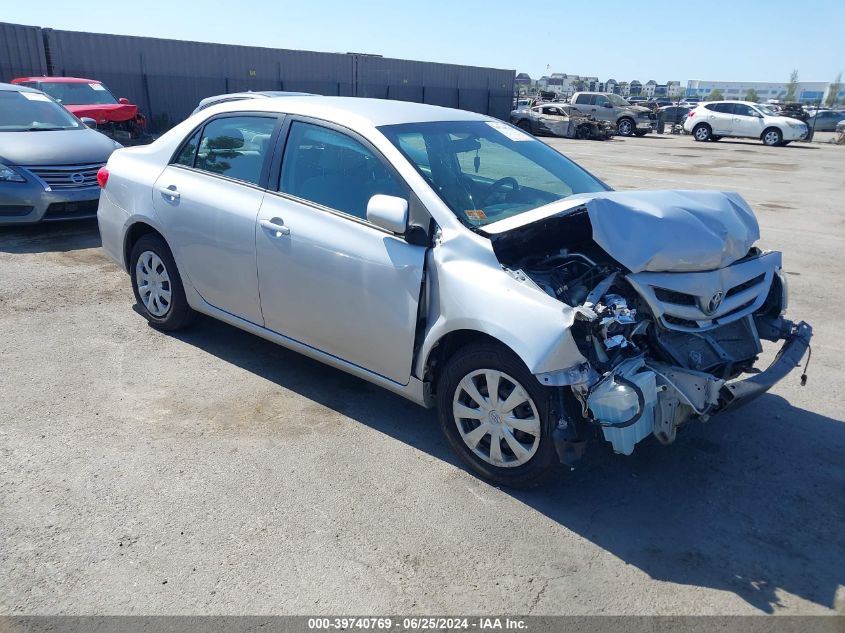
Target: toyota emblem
x,y
715,302
77,178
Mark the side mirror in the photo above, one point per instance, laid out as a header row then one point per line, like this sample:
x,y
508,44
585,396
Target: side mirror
x,y
89,122
123,101
388,212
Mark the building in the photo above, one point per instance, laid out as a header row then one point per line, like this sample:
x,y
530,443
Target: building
x,y
807,91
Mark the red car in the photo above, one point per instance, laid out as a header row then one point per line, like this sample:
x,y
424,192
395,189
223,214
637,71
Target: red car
x,y
90,98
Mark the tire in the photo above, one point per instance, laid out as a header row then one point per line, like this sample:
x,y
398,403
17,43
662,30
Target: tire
x,y
526,458
772,137
626,127
702,132
524,125
716,138
151,264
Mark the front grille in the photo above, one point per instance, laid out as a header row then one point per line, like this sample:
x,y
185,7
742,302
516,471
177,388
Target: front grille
x,y
719,296
72,210
60,177
673,296
745,286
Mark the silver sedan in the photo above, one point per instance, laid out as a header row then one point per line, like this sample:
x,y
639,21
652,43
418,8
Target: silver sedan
x,y
458,261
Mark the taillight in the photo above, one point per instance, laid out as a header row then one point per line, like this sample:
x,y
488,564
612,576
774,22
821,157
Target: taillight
x,y
691,113
102,177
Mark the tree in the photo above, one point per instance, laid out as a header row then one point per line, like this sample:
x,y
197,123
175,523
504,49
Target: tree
x,y
792,86
716,95
833,91
751,95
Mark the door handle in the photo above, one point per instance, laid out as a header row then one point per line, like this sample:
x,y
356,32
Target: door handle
x,y
276,225
170,192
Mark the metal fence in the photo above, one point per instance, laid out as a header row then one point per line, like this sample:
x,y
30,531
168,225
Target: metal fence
x,y
167,78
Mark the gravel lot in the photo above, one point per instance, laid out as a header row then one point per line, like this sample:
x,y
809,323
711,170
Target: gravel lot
x,y
211,472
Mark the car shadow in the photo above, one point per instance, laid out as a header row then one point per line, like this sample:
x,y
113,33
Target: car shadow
x,y
58,237
751,502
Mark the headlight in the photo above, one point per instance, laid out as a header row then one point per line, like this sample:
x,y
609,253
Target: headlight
x,y
7,174
796,124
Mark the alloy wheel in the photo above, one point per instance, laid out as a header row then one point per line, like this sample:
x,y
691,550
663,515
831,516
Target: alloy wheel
x,y
153,283
496,418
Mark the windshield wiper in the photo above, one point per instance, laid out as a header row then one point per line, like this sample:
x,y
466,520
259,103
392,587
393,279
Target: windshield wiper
x,y
45,129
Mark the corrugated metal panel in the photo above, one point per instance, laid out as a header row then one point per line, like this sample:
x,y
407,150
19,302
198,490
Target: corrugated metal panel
x,y
168,77
21,51
119,53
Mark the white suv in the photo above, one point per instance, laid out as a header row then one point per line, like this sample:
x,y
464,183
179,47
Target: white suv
x,y
713,120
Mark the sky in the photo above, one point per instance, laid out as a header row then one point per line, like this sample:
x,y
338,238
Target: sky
x,y
754,40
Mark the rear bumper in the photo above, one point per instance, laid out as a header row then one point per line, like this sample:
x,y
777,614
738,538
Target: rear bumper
x,y
734,395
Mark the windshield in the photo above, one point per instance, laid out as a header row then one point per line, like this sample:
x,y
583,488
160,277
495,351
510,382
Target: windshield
x,y
487,171
767,110
617,100
25,111
78,93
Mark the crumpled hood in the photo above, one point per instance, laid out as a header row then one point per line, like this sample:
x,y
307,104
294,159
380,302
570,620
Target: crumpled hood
x,y
679,231
657,231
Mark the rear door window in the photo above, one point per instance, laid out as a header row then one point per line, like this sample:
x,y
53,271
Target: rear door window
x,y
235,147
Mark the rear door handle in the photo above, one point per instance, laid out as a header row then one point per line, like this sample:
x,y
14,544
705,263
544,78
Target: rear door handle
x,y
276,225
170,192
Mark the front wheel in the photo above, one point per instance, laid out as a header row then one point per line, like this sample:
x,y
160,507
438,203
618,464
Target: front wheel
x,y
157,285
496,416
524,125
772,137
625,127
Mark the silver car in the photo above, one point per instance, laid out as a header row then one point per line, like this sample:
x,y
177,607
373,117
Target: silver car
x,y
48,159
455,260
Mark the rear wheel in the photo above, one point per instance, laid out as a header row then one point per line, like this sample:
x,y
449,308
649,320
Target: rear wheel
x,y
772,137
625,127
702,132
157,285
497,416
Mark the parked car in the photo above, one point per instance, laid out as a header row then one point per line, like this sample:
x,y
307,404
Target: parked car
x,y
552,119
48,159
606,106
455,260
672,114
117,118
240,96
558,119
825,120
743,119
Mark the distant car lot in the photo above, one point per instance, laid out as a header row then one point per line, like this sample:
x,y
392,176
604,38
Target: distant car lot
x,y
230,474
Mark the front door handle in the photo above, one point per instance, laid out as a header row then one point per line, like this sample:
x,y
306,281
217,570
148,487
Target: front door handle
x,y
170,192
276,225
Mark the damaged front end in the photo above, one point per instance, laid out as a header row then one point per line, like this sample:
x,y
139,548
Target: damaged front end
x,y
671,302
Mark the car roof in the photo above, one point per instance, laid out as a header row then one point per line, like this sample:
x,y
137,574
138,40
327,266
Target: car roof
x,y
375,112
15,88
258,94
66,80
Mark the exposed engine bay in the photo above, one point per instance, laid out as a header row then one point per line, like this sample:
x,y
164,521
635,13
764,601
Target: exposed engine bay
x,y
663,346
